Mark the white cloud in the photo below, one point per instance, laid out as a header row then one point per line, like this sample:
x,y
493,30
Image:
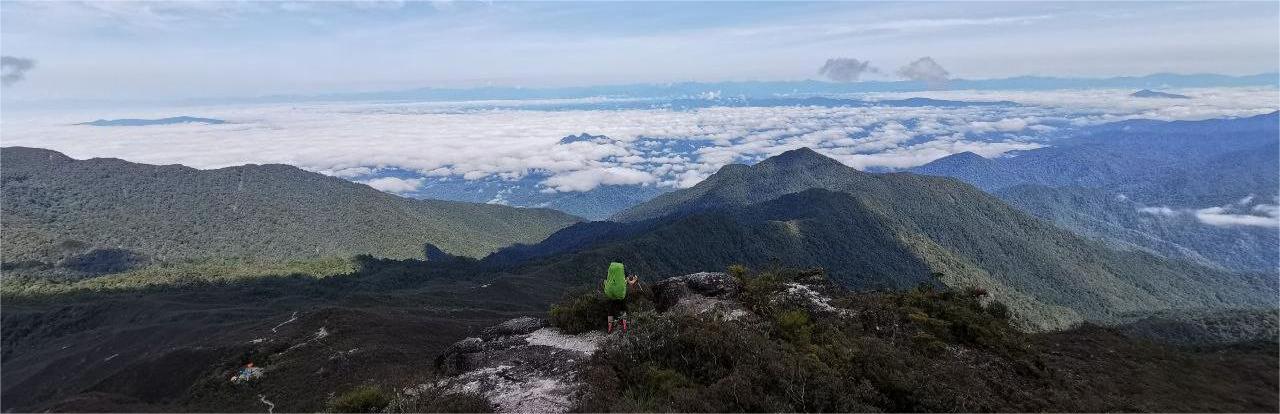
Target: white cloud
x,y
1159,211
1234,214
352,172
395,185
509,140
1003,125
584,180
1218,216
1241,214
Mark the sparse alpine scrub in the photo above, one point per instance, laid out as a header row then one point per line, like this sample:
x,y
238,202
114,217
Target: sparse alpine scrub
x,y
920,350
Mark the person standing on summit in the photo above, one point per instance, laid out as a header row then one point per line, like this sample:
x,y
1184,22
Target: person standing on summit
x,y
615,288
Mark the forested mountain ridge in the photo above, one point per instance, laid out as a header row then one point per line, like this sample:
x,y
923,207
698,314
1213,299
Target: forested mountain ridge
x,y
888,231
55,205
1121,222
1138,183
1179,163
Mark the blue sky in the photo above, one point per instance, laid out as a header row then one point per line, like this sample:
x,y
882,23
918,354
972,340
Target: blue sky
x,y
129,50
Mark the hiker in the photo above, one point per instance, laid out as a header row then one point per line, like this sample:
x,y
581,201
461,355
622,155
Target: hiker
x,y
615,289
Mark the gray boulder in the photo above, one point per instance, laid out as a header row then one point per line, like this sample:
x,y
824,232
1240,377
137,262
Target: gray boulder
x,y
669,292
517,326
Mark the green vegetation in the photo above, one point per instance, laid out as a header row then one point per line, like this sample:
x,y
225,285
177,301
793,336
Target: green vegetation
x,y
434,397
361,399
430,397
586,309
581,312
186,273
922,350
893,231
61,212
1101,215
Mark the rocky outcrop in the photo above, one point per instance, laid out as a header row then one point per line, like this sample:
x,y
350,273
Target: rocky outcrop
x,y
669,292
522,365
519,365
812,298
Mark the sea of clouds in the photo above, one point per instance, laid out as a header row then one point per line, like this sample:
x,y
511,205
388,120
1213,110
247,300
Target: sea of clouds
x,y
659,147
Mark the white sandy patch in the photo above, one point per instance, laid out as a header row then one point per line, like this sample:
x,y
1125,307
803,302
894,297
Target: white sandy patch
x,y
819,301
527,395
585,343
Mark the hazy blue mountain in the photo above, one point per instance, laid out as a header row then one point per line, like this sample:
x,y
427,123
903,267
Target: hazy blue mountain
x,y
1120,222
1147,93
1180,163
57,209
160,121
826,102
760,89
885,231
583,137
1096,183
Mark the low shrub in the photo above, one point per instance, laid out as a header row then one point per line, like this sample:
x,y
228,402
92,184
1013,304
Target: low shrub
x,y
794,325
588,309
435,397
361,399
580,312
897,354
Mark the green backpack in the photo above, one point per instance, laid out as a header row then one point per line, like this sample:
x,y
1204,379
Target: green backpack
x,y
615,287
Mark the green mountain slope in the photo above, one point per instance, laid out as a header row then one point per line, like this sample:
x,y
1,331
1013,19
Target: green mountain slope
x,y
895,230
56,208
1097,214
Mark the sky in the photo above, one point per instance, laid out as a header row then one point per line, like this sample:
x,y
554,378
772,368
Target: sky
x,y
175,50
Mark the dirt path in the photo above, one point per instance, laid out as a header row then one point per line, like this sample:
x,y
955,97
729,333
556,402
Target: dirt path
x,y
271,407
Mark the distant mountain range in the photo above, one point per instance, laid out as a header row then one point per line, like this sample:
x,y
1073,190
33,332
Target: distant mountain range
x,y
767,89
160,121
885,231
1181,163
62,210
683,103
1138,183
1147,93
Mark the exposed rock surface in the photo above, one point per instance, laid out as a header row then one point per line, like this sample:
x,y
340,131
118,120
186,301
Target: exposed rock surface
x,y
810,298
667,293
522,365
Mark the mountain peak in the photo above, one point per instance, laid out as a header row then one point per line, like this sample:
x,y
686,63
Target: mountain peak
x,y
960,159
801,156
967,156
1147,93
583,137
799,153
